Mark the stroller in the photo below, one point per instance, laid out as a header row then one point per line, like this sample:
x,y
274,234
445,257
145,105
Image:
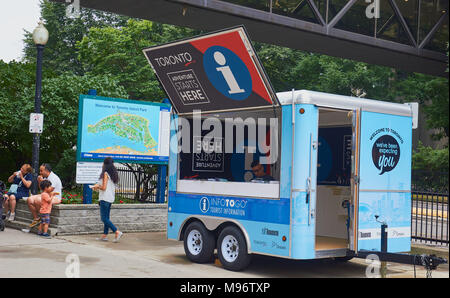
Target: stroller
x,y
2,217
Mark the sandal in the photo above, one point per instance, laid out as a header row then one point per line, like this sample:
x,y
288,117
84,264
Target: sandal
x,y
35,222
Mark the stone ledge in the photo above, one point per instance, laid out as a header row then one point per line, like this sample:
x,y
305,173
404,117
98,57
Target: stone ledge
x,y
85,219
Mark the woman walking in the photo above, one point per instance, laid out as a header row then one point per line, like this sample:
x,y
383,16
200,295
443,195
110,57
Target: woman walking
x,y
107,190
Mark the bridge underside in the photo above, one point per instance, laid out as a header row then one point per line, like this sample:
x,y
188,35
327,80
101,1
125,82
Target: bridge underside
x,y
405,37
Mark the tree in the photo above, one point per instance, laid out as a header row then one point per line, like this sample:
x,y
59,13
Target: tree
x,y
14,77
61,53
118,51
59,105
288,68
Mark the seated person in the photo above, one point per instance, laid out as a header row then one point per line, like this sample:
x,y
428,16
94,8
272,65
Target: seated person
x,y
23,179
259,173
34,202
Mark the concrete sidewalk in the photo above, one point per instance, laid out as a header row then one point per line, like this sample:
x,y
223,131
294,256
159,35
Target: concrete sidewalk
x,y
150,254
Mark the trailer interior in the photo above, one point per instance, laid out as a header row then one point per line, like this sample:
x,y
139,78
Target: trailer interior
x,y
334,169
207,166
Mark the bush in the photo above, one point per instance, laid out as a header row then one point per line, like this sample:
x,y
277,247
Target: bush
x,y
427,158
430,169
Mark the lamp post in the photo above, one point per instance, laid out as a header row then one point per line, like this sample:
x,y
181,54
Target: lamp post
x,y
40,38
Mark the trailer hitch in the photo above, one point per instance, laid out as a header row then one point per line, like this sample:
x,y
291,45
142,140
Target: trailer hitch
x,y
430,262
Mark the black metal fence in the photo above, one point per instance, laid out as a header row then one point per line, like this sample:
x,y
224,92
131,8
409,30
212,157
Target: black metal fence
x,y
137,184
429,208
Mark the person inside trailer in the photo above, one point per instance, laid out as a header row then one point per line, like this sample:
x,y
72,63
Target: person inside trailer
x,y
259,172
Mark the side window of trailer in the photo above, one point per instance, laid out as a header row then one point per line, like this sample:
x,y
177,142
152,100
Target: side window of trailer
x,y
235,147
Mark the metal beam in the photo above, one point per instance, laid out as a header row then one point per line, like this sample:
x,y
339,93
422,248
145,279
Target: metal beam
x,y
433,30
403,22
340,14
316,12
267,27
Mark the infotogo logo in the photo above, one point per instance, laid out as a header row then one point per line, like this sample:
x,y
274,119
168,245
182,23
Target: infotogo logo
x,y
227,72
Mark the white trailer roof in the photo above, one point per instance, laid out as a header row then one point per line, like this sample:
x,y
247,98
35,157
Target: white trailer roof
x,y
347,102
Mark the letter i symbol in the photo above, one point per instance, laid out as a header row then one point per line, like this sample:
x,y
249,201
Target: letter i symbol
x,y
227,74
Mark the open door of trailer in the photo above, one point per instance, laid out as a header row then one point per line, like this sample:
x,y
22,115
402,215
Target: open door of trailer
x,y
381,184
354,181
304,181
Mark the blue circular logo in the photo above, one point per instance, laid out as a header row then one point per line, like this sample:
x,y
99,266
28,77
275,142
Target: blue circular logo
x,y
228,74
204,204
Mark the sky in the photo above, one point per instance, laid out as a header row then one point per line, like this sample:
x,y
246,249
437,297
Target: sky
x,y
15,16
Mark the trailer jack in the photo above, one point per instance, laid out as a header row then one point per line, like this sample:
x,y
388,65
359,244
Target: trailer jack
x,y
430,262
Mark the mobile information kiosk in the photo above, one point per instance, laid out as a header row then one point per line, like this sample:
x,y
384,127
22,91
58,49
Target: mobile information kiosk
x,y
339,166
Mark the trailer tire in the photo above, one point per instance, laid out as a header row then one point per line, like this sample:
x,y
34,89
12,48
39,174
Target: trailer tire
x,y
199,243
232,249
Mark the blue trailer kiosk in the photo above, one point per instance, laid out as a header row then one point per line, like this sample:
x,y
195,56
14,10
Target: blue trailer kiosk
x,y
343,168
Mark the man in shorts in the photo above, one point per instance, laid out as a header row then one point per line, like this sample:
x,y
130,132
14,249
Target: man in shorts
x,y
34,202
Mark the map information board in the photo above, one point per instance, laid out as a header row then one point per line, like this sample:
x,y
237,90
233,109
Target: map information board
x,y
126,130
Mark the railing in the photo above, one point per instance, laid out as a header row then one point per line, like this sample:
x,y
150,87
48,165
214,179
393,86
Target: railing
x,y
137,185
429,209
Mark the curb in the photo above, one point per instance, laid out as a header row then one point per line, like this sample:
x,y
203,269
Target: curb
x,y
19,225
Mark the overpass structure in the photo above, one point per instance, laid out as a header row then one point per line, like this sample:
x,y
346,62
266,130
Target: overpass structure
x,y
410,35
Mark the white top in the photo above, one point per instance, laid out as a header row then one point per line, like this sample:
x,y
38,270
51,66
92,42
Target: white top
x,y
56,183
109,193
345,102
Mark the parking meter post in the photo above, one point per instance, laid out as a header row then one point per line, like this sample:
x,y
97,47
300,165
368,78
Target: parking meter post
x,y
161,186
87,191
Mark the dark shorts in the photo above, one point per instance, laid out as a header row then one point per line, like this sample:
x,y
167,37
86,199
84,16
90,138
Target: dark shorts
x,y
45,218
18,196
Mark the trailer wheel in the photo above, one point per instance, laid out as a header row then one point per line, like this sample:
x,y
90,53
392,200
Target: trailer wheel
x,y
199,243
232,249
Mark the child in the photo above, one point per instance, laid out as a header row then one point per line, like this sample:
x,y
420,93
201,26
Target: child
x,y
46,207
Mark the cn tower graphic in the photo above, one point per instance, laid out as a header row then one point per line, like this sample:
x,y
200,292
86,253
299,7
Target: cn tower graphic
x,y
227,73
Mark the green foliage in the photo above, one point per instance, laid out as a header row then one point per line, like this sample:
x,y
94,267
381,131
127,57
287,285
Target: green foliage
x,y
14,77
66,168
288,68
429,159
432,94
60,53
60,107
118,51
430,169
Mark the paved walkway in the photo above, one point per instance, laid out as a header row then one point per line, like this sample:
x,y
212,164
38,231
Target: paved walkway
x,y
152,255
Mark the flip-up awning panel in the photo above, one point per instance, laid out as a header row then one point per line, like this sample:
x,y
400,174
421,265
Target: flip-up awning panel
x,y
214,72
